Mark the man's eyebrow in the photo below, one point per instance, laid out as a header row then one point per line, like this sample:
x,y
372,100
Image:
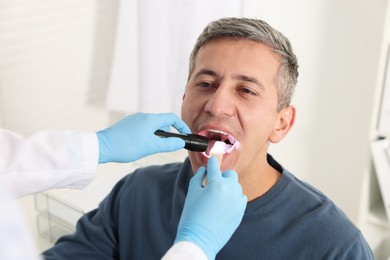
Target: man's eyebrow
x,y
249,79
206,72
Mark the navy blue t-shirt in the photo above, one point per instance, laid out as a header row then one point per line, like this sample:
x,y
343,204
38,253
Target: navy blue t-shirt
x,y
139,218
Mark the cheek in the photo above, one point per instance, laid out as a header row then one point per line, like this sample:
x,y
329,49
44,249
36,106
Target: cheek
x,y
190,108
185,108
258,127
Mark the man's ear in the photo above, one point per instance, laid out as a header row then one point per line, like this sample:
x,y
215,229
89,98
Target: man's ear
x,y
284,123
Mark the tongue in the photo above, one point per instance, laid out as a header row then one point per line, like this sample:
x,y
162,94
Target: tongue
x,y
217,147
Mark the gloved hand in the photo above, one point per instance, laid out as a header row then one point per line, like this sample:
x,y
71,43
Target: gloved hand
x,y
212,213
133,137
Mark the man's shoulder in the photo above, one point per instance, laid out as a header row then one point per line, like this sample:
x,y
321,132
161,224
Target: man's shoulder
x,y
319,206
324,224
338,231
321,214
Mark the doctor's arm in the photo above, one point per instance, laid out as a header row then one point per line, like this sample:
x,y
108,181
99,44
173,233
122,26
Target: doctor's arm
x,y
58,159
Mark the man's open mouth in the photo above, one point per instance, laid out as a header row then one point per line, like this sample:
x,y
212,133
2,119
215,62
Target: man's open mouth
x,y
220,142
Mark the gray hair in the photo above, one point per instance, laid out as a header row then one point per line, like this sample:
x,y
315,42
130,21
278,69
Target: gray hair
x,y
258,31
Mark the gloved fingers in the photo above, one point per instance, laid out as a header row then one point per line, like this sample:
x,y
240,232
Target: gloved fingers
x,y
230,174
244,199
243,202
165,128
180,125
169,144
213,171
170,119
183,129
198,177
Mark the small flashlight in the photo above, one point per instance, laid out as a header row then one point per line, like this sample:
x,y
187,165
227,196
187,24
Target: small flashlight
x,y
194,142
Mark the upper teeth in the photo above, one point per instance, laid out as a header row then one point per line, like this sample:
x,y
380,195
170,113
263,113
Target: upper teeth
x,y
224,136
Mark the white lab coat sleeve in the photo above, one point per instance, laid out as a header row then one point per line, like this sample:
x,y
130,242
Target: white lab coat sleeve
x,y
184,250
16,242
46,160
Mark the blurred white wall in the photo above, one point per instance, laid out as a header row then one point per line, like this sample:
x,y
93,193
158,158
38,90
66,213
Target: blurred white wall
x,y
55,59
54,63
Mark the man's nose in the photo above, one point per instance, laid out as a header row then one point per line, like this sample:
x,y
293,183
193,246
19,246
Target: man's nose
x,y
220,102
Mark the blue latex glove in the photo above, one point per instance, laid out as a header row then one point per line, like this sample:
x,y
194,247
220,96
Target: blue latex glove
x,y
133,137
212,213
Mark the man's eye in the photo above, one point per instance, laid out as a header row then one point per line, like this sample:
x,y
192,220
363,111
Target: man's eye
x,y
204,84
247,91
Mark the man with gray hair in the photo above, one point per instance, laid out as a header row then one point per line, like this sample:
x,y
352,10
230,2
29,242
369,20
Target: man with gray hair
x,y
242,76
